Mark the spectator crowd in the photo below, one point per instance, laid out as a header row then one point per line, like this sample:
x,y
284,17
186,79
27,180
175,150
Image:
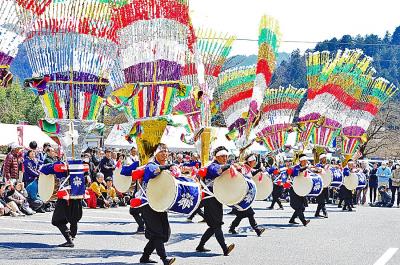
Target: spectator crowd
x,y
21,169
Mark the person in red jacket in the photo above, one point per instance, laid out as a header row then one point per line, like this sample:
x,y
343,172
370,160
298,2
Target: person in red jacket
x,y
12,164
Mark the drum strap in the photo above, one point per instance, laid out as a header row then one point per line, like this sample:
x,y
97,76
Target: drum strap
x,y
63,184
206,190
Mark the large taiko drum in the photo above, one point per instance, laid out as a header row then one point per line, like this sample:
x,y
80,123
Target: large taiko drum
x,y
337,177
46,182
264,185
180,195
326,175
355,180
309,184
121,182
237,191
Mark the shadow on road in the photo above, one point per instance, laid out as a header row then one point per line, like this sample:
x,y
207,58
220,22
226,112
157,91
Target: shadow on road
x,y
13,250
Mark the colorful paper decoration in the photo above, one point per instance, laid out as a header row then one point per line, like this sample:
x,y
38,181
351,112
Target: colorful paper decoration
x,y
268,44
278,111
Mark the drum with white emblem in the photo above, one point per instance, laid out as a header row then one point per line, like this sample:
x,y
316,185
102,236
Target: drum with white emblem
x,y
308,184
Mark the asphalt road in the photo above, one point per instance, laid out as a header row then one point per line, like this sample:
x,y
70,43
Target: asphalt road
x,y
106,237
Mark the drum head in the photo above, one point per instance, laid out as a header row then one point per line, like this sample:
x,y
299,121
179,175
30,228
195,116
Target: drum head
x,y
230,190
302,185
326,177
264,186
351,182
161,191
121,183
46,186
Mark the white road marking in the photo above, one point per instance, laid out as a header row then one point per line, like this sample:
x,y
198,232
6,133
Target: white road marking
x,y
386,256
27,230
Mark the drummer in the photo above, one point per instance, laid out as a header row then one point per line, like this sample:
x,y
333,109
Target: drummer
x,y
298,202
213,210
324,194
278,189
248,171
345,193
157,229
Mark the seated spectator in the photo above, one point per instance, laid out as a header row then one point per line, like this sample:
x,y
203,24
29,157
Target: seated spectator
x,y
4,208
31,167
98,189
33,197
21,194
6,194
385,197
112,197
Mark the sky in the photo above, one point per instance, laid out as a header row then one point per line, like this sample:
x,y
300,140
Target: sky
x,y
300,20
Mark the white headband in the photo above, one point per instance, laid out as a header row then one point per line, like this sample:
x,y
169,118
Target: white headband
x,y
252,158
303,158
322,156
223,152
160,149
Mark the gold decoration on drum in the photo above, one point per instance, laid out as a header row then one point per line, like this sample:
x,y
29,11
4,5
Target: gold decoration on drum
x,y
205,146
148,140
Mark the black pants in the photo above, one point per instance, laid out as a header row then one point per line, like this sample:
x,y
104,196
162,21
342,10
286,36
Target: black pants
x,y
219,235
137,215
240,217
67,212
276,194
198,211
155,244
213,215
321,202
394,189
372,194
298,212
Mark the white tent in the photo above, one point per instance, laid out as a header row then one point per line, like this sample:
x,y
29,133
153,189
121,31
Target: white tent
x,y
9,134
116,138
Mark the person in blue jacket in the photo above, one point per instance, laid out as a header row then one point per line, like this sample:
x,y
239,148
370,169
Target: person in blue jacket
x,y
157,229
347,194
31,168
298,202
213,210
324,194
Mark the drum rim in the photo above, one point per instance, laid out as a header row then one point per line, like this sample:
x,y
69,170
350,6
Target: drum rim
x,y
268,189
117,175
239,175
54,183
170,203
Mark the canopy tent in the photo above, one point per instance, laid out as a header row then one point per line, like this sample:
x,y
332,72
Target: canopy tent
x,y
9,134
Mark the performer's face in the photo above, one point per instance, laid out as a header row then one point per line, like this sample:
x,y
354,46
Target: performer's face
x,y
133,151
222,160
303,163
162,157
253,163
323,160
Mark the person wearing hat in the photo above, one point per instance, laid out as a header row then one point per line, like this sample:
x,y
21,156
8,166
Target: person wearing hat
x,y
248,171
324,194
157,229
344,193
298,202
213,209
12,163
277,189
107,164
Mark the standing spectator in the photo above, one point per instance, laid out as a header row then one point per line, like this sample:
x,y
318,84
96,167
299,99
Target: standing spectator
x,y
133,157
179,160
362,194
91,174
384,174
396,185
107,164
51,156
12,164
373,183
42,155
31,167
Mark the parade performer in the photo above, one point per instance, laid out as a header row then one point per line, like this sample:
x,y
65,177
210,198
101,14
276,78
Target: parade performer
x,y
277,188
157,226
248,171
324,194
213,210
298,202
345,193
68,208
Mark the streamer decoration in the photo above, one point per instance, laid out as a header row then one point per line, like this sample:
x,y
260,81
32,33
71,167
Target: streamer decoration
x,y
278,111
268,41
335,84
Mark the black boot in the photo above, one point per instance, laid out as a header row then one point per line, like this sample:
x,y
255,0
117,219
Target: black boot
x,y
68,238
202,249
259,231
169,261
229,249
233,231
